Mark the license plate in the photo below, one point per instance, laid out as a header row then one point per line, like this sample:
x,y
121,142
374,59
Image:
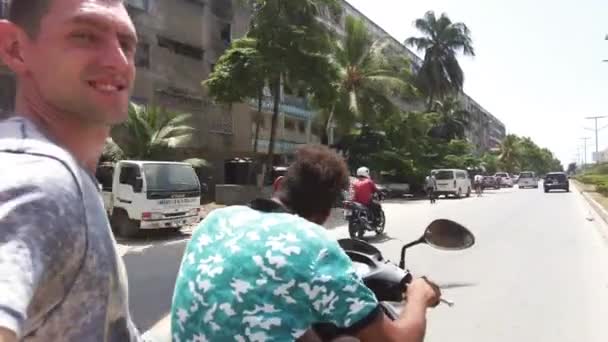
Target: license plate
x,y
178,201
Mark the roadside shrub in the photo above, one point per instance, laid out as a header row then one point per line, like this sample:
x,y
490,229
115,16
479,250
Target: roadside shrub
x,y
602,189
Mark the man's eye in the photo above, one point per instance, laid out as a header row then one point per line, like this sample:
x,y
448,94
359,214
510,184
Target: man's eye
x,y
127,47
84,37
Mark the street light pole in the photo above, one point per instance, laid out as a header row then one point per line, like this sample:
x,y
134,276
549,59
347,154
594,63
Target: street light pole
x,y
595,119
585,150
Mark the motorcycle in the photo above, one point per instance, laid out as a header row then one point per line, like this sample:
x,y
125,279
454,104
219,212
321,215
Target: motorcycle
x,y
360,220
387,280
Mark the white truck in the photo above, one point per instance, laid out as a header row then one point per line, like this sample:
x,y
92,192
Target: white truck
x,y
141,195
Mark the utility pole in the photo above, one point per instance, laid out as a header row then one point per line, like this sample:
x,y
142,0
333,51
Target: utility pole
x,y
595,119
585,150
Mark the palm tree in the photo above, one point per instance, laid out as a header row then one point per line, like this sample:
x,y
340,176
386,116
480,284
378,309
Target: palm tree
x,y
149,133
454,120
440,73
366,78
509,153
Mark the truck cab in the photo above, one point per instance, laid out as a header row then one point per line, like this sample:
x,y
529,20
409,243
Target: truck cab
x,y
141,195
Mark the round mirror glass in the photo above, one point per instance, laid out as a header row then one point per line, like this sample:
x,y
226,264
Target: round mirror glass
x,y
449,235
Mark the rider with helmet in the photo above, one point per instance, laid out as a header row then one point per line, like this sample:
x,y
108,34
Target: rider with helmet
x,y
364,189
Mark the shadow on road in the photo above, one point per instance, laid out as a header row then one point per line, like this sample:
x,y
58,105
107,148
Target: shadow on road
x,y
151,236
152,273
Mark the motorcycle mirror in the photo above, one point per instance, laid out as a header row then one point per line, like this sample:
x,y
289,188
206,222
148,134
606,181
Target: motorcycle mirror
x,y
448,235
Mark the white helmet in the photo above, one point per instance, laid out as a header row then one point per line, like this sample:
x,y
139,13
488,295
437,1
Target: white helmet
x,y
363,172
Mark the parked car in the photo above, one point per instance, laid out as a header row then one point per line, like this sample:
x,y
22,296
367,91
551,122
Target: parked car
x,y
490,182
452,182
505,179
556,181
527,179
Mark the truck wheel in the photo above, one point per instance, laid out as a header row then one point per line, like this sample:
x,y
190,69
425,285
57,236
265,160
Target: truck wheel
x,y
125,227
469,192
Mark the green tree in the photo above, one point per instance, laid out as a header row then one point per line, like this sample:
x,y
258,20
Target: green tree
x,y
150,133
453,119
367,78
490,162
294,46
509,153
442,39
239,75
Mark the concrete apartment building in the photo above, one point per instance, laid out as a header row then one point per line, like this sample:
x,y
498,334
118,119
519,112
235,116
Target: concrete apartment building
x,y
180,42
485,131
7,80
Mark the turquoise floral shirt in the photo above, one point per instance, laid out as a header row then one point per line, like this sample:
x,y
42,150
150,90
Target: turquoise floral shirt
x,y
249,275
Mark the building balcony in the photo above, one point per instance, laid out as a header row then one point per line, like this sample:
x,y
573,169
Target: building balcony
x,y
293,106
280,146
221,9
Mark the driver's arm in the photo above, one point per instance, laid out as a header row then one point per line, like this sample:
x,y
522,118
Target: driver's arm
x,y
411,326
353,307
374,187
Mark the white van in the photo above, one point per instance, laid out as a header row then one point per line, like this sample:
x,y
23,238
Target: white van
x,y
452,182
527,179
149,195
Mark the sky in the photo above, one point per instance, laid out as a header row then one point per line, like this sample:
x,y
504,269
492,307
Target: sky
x,y
538,65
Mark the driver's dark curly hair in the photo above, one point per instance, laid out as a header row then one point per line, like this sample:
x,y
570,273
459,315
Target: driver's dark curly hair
x,y
314,181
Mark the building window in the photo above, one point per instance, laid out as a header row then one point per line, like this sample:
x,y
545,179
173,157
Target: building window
x,y
180,48
138,4
226,34
142,55
222,123
302,127
290,125
7,96
4,9
141,101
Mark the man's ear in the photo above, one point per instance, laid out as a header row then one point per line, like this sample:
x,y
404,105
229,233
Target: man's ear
x,y
11,46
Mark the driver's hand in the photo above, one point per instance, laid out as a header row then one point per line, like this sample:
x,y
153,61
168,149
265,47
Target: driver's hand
x,y
423,290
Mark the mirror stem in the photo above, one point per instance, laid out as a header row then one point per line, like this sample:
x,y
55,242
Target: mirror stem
x,y
411,244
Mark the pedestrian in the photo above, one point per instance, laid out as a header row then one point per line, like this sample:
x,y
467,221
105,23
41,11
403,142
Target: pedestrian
x,y
478,183
431,187
270,271
61,278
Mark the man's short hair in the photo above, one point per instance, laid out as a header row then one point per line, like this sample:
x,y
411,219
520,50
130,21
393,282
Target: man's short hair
x,y
314,181
28,14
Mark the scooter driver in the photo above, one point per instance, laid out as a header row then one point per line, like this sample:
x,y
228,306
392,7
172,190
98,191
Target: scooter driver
x,y
364,189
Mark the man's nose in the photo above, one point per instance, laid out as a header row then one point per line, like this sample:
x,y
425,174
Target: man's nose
x,y
115,57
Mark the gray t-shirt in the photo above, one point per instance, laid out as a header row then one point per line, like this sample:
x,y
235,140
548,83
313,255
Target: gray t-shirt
x,y
61,278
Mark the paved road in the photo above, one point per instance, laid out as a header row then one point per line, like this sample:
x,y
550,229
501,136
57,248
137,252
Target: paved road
x,y
538,271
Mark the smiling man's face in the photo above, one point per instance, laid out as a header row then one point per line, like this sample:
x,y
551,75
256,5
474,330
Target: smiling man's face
x,y
81,62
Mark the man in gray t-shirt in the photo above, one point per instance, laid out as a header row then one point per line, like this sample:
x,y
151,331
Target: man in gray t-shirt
x,y
61,278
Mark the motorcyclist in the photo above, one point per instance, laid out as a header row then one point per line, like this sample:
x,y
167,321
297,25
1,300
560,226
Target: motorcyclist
x,y
364,189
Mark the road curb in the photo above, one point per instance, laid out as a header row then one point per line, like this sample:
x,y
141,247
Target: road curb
x,y
596,206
